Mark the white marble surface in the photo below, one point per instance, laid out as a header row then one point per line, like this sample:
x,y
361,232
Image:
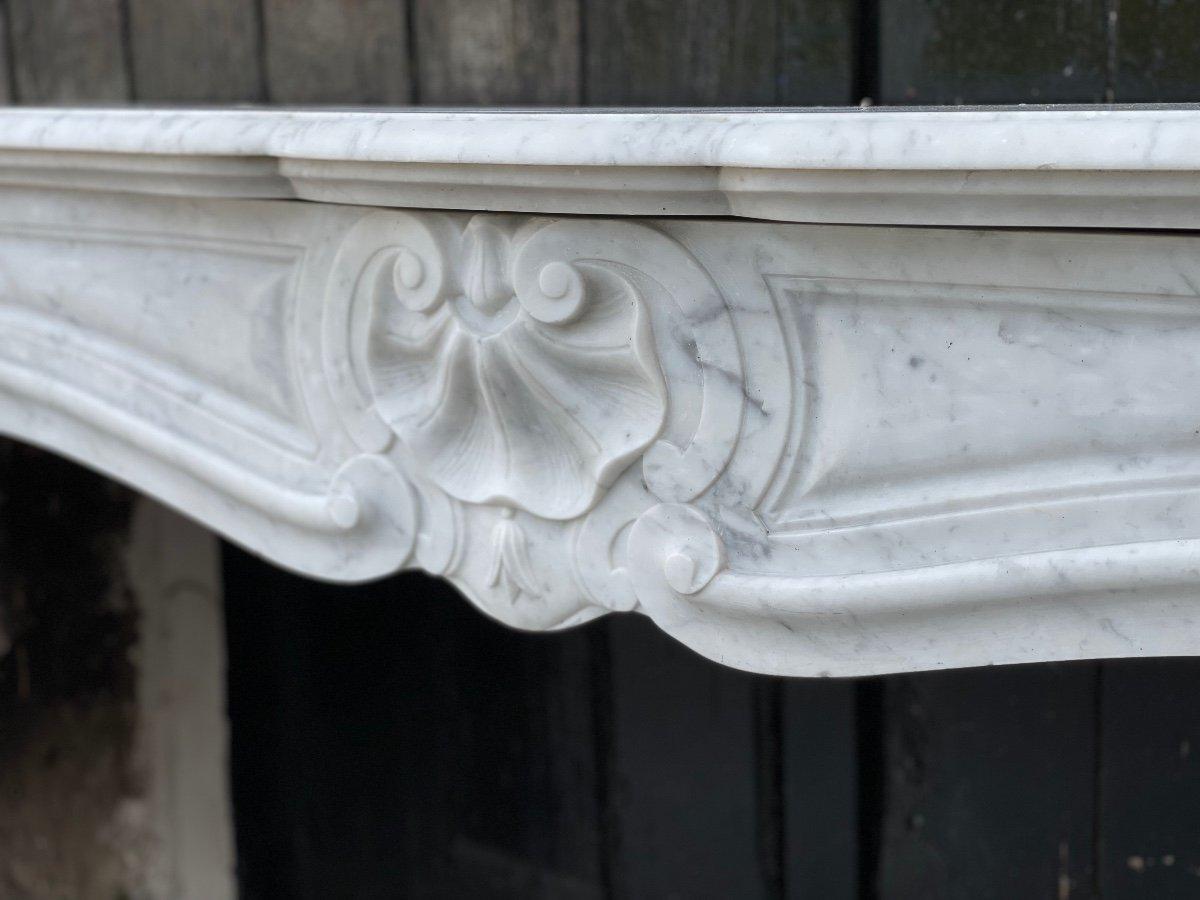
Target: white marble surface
x,y
1043,166
806,449
1157,138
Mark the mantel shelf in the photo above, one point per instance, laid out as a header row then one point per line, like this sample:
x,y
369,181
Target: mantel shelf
x,y
1120,167
679,362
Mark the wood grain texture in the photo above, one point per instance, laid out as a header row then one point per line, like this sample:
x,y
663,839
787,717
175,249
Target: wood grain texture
x,y
683,769
337,51
818,49
990,777
472,52
681,53
69,51
1004,51
195,51
1149,785
1157,51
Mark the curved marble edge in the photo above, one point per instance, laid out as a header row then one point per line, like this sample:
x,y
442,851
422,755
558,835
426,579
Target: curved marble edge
x,y
800,449
1035,166
872,139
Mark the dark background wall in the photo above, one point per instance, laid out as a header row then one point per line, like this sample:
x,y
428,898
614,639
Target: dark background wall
x,y
389,741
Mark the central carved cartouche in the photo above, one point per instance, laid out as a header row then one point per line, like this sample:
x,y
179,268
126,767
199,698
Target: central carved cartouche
x,y
513,375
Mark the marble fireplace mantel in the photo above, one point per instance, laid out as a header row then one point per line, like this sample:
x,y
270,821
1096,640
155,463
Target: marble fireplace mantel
x,y
822,393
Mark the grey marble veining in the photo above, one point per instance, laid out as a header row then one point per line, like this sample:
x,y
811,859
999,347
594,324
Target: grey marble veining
x,y
819,448
1036,166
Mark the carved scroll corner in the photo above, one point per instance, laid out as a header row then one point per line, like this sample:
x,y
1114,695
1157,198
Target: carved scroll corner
x,y
373,502
674,552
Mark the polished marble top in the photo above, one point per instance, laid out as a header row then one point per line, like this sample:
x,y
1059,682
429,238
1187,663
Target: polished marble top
x,y
1151,137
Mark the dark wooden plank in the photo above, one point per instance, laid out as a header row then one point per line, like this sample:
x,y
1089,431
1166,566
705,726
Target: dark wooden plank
x,y
498,51
68,51
817,52
990,778
820,789
1157,50
684,772
6,82
682,52
269,647
195,51
520,735
1150,779
1002,51
337,51
389,737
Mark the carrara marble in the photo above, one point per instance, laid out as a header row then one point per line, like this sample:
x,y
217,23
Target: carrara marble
x,y
1112,167
822,445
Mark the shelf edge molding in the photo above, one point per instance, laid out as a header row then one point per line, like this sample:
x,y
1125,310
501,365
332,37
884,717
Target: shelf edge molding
x,y
1060,167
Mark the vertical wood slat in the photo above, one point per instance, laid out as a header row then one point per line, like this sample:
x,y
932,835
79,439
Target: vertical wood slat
x,y
1003,51
498,51
517,742
195,51
337,51
990,783
820,789
68,51
1149,785
720,52
7,88
681,53
1157,51
269,645
389,737
683,765
818,48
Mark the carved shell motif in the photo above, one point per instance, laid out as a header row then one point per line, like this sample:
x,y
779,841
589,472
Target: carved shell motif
x,y
525,379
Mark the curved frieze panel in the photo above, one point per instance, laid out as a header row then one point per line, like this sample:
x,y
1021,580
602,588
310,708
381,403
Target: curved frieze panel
x,y
800,449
